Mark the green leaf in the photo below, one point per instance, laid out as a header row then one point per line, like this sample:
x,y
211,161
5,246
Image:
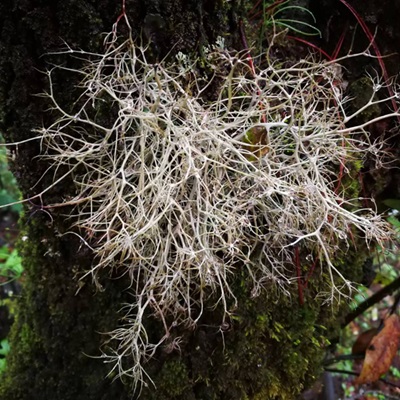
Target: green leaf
x,y
10,263
4,253
394,221
392,203
13,264
4,347
2,365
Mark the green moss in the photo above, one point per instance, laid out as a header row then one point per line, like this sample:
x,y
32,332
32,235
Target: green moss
x,y
271,348
361,91
350,186
174,379
27,339
54,334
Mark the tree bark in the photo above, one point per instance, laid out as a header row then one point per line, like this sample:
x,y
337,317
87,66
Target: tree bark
x,y
274,346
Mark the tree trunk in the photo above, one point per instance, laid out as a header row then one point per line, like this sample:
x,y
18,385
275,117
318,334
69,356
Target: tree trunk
x,y
273,347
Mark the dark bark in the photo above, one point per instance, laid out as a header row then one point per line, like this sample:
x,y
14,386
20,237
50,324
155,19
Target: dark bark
x,y
271,350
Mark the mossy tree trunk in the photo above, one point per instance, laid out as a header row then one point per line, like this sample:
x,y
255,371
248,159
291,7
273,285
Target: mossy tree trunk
x,y
272,349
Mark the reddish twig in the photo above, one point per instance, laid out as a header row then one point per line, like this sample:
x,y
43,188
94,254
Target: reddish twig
x,y
312,269
321,51
123,12
246,47
250,62
339,44
298,273
372,41
121,16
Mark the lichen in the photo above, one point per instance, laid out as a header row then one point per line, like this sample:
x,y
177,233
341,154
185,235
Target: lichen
x,y
269,347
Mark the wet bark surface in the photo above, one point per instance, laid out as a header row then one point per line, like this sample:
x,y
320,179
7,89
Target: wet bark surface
x,y
58,320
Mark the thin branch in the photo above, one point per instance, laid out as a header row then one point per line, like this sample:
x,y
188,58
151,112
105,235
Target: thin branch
x,y
374,299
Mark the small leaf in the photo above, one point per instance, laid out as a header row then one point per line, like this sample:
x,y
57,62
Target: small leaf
x,y
5,347
13,264
256,140
381,351
394,221
392,203
2,365
360,346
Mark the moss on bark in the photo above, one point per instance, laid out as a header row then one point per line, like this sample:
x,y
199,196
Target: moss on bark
x,y
57,325
270,349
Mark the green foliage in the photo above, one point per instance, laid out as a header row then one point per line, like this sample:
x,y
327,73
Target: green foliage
x,y
4,350
387,257
10,263
9,192
10,269
296,25
392,203
288,16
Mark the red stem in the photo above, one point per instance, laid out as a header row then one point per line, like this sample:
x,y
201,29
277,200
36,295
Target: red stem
x,y
250,62
339,44
123,12
371,38
298,272
310,272
323,52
